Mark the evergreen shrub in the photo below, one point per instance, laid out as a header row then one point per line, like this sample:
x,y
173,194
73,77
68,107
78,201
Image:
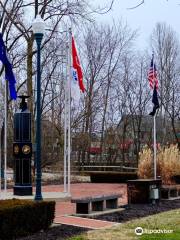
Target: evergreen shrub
x,y
24,217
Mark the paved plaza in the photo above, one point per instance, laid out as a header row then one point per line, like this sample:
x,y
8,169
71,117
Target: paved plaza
x,y
64,207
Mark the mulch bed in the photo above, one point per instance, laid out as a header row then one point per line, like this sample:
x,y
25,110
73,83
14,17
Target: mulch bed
x,y
59,232
140,210
62,232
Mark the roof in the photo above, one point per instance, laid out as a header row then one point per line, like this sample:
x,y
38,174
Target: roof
x,y
145,121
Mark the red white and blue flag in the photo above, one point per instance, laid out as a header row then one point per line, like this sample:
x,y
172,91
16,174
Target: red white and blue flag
x,y
152,74
153,82
77,81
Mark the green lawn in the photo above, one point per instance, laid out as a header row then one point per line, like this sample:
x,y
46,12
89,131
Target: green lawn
x,y
126,231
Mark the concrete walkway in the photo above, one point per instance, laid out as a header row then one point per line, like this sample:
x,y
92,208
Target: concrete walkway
x,y
54,196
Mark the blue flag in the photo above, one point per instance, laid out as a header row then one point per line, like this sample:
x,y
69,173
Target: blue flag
x,y
154,101
9,75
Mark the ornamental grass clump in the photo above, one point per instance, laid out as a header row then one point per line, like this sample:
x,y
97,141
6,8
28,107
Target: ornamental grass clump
x,y
145,169
168,163
168,160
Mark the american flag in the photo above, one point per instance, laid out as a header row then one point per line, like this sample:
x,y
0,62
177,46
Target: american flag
x,y
152,75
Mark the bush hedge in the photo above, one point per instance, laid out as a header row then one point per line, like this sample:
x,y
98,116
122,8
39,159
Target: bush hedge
x,y
24,217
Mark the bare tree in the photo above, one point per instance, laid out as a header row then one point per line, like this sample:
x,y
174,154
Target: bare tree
x,y
104,49
15,19
166,47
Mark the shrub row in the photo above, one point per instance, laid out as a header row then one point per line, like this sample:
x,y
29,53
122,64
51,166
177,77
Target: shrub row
x,y
24,217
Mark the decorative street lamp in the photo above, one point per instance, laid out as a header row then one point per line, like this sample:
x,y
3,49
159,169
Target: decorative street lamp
x,y
38,30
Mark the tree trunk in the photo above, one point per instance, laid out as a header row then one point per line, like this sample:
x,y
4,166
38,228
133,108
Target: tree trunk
x,y
29,80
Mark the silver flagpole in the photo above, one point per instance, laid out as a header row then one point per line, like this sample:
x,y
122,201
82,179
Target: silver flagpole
x,y
5,136
69,112
1,132
0,162
0,139
154,129
65,123
155,146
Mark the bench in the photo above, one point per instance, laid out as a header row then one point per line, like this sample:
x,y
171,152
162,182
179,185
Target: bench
x,y
86,205
168,192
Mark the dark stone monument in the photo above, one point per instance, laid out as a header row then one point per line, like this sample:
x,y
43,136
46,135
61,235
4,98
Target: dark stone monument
x,y
144,191
22,150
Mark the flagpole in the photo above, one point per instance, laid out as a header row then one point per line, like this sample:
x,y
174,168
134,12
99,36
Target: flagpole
x,y
69,112
5,136
9,78
65,124
0,164
155,148
154,118
1,130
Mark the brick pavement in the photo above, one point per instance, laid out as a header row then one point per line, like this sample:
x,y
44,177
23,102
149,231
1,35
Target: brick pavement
x,y
63,209
84,222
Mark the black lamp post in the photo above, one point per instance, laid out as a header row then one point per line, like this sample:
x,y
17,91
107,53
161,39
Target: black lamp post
x,y
38,29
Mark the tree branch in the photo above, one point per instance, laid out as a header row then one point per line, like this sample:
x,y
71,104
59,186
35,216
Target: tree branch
x,y
142,2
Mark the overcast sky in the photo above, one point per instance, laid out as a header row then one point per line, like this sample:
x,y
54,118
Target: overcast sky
x,y
145,16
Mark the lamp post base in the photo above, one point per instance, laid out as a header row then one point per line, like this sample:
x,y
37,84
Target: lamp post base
x,y
38,197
